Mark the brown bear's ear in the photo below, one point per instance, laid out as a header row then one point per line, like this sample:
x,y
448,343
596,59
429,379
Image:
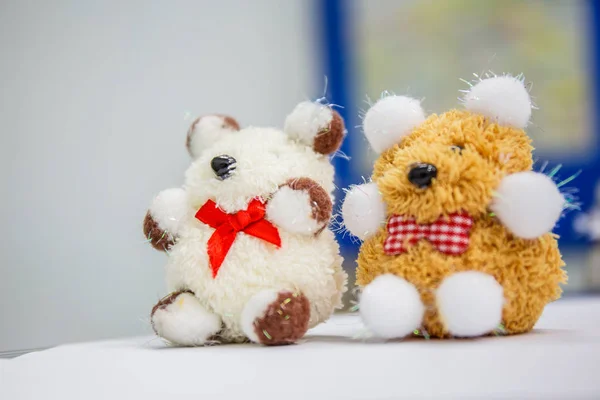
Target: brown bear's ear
x,y
503,99
316,125
390,119
207,130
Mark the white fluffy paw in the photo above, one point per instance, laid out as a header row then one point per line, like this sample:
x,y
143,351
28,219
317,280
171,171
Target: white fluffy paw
x,y
470,303
363,210
391,307
170,209
301,206
181,319
528,204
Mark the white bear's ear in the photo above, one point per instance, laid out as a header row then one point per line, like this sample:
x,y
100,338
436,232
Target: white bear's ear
x,y
206,130
390,119
317,125
503,99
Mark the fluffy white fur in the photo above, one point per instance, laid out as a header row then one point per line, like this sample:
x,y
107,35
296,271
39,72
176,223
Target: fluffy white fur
x,y
363,210
390,119
170,209
292,211
528,204
391,307
208,130
266,159
504,99
186,322
256,308
307,120
304,264
470,303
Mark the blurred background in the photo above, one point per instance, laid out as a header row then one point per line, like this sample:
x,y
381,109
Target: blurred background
x,y
96,98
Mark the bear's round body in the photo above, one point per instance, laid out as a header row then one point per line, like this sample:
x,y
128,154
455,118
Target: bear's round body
x,y
250,253
305,264
530,271
457,226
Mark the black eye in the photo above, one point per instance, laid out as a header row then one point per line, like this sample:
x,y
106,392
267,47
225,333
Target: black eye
x,y
457,149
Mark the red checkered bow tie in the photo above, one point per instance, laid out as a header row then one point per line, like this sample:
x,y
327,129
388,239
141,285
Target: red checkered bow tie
x,y
449,235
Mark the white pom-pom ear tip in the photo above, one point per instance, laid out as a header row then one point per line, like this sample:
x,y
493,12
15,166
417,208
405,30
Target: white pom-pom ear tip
x,y
504,99
391,119
207,130
316,124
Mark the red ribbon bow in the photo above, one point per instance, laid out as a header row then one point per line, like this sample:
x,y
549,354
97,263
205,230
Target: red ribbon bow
x,y
449,235
250,221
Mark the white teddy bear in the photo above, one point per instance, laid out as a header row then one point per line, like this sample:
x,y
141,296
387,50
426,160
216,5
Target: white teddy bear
x,y
250,255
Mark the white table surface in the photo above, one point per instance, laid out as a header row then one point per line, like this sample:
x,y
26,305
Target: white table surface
x,y
560,359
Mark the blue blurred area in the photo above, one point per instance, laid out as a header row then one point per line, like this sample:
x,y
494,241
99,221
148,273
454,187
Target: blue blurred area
x,y
422,47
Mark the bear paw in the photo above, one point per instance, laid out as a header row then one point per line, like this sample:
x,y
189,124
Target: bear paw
x,y
300,206
181,319
363,210
276,318
159,238
470,303
391,307
528,204
164,219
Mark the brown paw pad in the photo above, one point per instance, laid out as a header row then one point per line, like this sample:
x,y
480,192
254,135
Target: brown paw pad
x,y
319,198
285,320
169,299
158,238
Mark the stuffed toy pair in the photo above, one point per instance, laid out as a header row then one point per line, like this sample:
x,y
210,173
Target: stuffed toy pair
x,y
250,253
456,225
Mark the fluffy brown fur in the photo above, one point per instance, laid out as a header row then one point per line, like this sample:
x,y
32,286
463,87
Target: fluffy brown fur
x,y
158,238
530,271
285,321
167,300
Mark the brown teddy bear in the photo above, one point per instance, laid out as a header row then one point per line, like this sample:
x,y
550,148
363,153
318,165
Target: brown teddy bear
x,y
456,225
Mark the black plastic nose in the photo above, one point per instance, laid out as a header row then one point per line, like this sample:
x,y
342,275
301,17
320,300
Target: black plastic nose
x,y
421,175
223,166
